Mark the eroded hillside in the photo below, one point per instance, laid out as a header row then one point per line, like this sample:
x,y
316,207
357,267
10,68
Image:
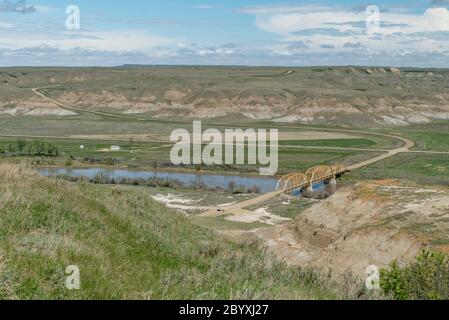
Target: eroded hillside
x,y
372,223
383,96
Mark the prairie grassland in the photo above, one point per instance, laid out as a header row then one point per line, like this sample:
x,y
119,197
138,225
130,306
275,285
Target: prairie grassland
x,y
428,137
422,169
128,246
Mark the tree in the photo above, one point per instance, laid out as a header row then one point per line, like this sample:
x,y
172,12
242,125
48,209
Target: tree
x,y
39,148
52,151
11,148
30,149
21,145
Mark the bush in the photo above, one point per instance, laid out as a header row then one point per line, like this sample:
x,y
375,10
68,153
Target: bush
x,y
68,162
239,190
253,190
425,278
21,145
52,151
39,148
11,148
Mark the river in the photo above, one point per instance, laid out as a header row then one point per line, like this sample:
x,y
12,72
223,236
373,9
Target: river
x,y
265,184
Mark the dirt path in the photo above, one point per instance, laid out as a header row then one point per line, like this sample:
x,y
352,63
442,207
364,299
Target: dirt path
x,y
238,208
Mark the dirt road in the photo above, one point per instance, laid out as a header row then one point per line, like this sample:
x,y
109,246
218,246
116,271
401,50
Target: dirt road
x,y
239,208
408,144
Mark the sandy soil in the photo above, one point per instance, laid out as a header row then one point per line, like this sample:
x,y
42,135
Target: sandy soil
x,y
35,110
259,215
176,202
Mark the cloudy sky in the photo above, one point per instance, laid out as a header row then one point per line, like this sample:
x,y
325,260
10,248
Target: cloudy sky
x,y
226,32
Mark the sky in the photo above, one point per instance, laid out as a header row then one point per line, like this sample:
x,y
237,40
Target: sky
x,y
413,33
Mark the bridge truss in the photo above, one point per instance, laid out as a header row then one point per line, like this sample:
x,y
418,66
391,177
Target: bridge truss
x,y
316,174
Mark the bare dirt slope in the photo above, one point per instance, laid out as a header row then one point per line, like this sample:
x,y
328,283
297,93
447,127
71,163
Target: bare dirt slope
x,y
372,223
35,106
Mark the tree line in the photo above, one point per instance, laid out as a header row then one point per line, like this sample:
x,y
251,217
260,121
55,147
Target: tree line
x,y
36,148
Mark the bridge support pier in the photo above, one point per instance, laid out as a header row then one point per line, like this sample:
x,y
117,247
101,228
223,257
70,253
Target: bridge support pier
x,y
308,193
332,185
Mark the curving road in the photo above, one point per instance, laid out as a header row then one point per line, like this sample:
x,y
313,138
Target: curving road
x,y
407,144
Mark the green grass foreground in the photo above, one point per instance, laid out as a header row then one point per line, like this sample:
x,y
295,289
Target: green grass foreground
x,y
129,247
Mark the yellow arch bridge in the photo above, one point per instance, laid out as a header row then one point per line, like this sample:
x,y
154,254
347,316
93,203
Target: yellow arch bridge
x,y
314,175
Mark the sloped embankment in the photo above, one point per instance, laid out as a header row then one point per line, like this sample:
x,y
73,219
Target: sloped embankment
x,y
372,223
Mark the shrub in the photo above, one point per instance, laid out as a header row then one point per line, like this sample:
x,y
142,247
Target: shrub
x,y
253,190
239,190
52,151
68,162
231,186
425,278
39,148
21,145
11,148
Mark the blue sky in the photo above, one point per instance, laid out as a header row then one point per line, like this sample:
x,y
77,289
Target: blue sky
x,y
225,32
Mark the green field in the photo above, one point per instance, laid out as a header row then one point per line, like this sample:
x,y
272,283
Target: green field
x,y
429,137
419,168
341,143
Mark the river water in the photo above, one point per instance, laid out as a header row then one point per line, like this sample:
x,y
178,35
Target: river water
x,y
266,184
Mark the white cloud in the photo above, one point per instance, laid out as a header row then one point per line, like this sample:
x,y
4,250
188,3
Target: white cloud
x,y
330,29
433,19
437,19
286,23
